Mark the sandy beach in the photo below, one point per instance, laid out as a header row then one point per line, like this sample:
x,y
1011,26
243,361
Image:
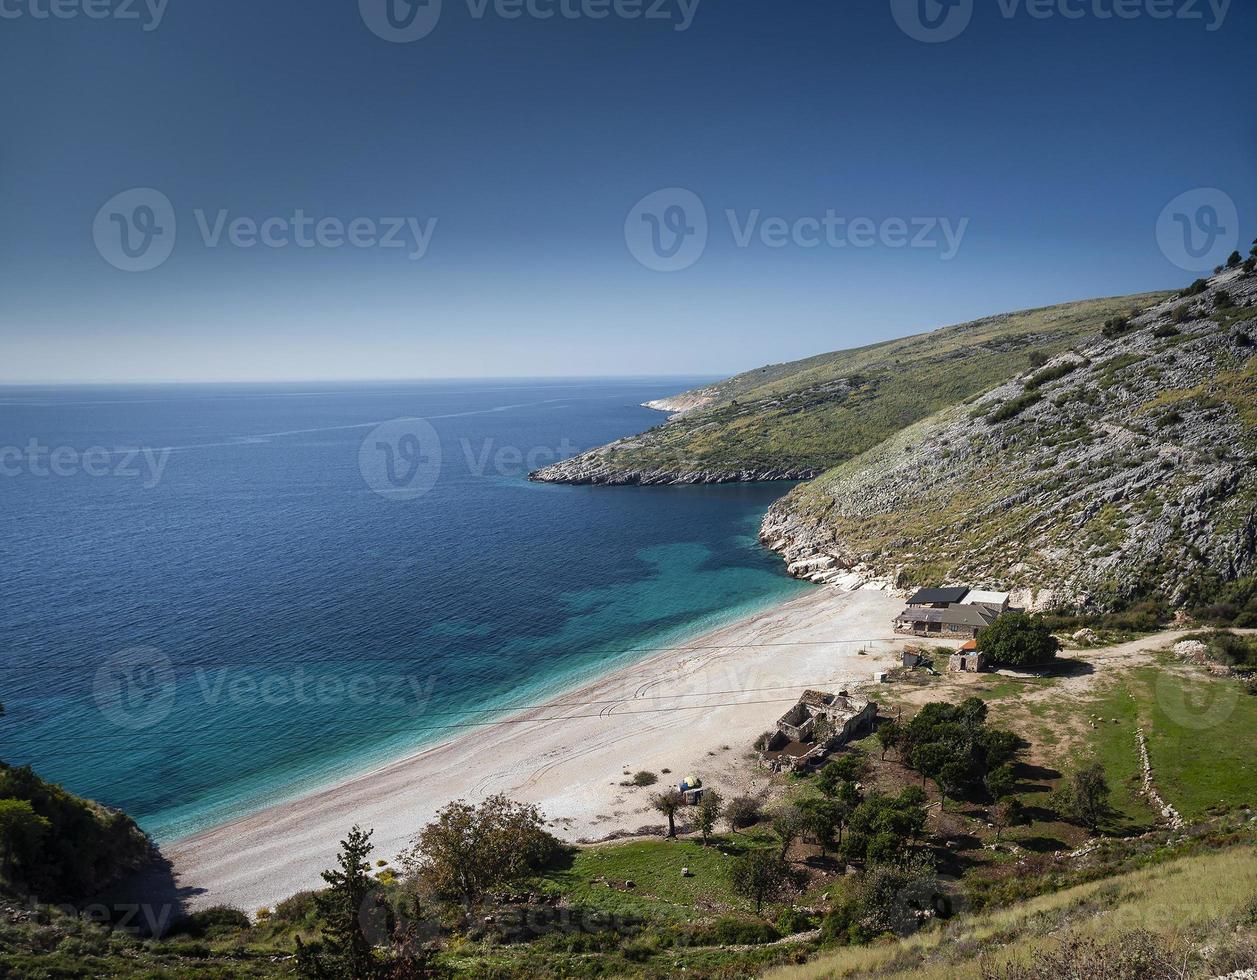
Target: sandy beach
x,y
695,709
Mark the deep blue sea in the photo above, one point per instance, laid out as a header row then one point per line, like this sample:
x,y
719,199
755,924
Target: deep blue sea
x,y
276,591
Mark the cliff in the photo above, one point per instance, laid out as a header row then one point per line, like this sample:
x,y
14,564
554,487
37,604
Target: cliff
x,y
1120,468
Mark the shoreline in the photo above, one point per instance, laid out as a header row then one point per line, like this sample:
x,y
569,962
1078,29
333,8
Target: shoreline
x,y
693,708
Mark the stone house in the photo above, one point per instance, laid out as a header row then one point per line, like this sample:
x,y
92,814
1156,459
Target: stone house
x,y
816,725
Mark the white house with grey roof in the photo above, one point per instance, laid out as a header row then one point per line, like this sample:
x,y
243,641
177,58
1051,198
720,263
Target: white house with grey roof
x,y
956,612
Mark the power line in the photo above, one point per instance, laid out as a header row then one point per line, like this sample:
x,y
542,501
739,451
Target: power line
x,y
130,737
261,666
479,724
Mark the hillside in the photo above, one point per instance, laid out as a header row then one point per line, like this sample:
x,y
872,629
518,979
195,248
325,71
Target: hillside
x,y
1122,468
1188,918
796,420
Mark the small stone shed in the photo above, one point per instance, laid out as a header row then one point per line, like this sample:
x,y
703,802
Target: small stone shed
x,y
968,659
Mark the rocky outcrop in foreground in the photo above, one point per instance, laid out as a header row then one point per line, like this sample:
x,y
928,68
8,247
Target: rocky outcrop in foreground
x,y
1123,468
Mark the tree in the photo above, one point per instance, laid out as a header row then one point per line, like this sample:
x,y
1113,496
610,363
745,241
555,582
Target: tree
x,y
1085,797
1001,782
789,822
1018,640
344,951
708,813
1005,813
822,819
468,850
760,876
22,831
1234,260
888,735
850,768
668,804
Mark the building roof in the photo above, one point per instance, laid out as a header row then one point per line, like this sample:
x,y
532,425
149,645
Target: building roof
x,y
976,616
987,598
924,597
970,645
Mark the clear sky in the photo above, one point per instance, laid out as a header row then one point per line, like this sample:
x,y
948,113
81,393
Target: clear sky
x,y
1048,137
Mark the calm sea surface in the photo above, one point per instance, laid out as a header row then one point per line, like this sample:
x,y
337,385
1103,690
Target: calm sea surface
x,y
275,593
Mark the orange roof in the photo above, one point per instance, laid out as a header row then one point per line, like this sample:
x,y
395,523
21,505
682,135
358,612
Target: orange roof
x,y
971,645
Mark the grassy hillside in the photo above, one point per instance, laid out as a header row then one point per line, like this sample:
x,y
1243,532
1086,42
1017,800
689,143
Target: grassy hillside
x,y
1121,468
1194,917
801,418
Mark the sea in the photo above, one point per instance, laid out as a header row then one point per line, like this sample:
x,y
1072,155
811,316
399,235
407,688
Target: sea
x,y
214,598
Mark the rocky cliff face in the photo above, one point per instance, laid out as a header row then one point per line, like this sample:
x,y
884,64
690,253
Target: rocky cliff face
x,y
1121,468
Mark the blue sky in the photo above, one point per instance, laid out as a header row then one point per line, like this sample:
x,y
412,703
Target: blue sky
x,y
522,146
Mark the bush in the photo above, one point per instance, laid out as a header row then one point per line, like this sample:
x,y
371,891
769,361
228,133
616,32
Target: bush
x,y
1116,326
1051,374
1195,289
1183,314
1223,300
1014,406
218,922
296,909
1018,640
743,811
1166,330
644,778
1233,260
732,930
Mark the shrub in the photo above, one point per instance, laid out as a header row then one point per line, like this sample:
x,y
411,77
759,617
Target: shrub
x,y
1014,407
742,811
1166,330
1234,259
296,909
1223,300
1195,289
1250,265
1116,326
1047,375
218,922
1038,358
644,778
1134,956
1183,314
732,930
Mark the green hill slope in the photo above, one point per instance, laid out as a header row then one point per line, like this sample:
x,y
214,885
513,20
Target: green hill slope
x,y
795,420
1190,918
1121,469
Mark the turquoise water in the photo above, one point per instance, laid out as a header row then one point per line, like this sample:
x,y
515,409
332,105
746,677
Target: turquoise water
x,y
194,639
